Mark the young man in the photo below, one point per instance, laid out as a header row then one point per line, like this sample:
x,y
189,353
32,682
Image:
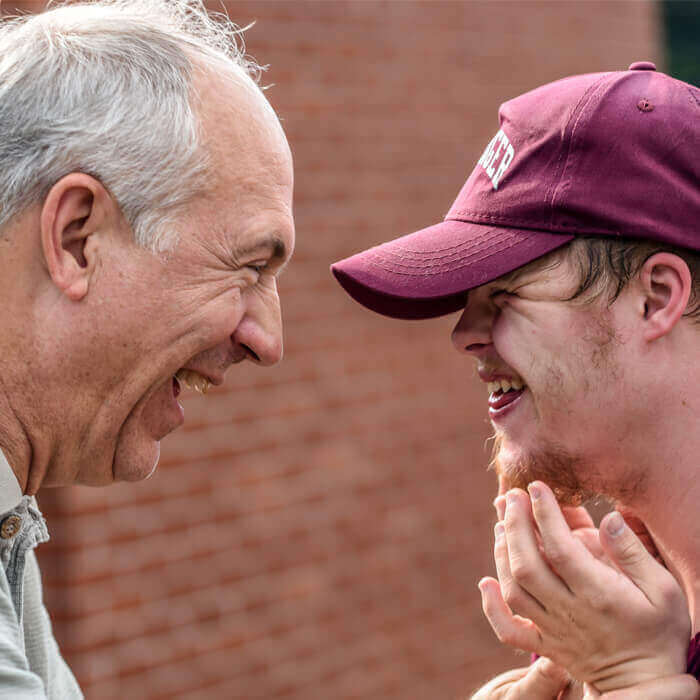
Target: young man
x,y
573,251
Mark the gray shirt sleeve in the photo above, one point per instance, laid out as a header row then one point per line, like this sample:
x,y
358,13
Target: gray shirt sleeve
x,y
41,649
17,681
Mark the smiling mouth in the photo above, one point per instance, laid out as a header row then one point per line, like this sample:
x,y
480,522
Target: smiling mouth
x,y
504,392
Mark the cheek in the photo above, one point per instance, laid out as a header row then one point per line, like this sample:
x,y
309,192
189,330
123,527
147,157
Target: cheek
x,y
215,319
519,343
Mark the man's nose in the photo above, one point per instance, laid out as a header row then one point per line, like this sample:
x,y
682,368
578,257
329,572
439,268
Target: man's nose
x,y
260,330
472,334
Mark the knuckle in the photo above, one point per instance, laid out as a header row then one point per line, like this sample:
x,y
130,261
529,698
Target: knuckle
x,y
513,597
600,601
556,555
522,571
507,637
671,595
630,551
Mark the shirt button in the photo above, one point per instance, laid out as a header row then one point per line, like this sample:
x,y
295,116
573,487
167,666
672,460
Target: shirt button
x,y
642,65
10,526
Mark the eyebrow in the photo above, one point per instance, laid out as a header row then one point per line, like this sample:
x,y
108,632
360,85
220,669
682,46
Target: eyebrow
x,y
271,242
511,277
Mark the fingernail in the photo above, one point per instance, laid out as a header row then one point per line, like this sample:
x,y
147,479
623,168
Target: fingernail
x,y
534,491
510,498
499,530
615,524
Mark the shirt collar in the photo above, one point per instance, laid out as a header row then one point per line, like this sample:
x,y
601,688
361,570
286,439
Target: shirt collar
x,y
10,491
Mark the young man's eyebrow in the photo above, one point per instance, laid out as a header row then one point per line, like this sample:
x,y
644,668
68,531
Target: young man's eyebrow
x,y
511,277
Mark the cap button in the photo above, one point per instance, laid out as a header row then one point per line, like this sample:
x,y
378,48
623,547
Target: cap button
x,y
642,65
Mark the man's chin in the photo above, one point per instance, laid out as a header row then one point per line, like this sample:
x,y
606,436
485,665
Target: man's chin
x,y
517,467
135,463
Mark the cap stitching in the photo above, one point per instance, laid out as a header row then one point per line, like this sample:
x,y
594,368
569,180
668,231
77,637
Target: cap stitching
x,y
417,265
517,223
418,261
549,197
389,256
436,269
577,114
437,250
453,250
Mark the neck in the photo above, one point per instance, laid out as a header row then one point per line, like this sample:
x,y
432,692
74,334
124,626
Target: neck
x,y
14,441
22,439
667,504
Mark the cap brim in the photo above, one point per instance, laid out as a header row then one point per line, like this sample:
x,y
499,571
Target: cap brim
x,y
428,273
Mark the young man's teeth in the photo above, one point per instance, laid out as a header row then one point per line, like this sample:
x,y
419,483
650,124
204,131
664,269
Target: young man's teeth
x,y
193,380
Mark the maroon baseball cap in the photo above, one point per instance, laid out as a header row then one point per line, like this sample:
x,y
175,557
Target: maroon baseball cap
x,y
603,154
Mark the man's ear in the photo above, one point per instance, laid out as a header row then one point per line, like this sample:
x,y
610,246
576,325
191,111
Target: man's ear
x,y
76,208
666,285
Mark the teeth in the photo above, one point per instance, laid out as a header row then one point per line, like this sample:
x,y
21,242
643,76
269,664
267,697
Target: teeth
x,y
193,380
505,385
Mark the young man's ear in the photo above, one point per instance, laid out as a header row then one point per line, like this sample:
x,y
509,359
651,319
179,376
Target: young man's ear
x,y
666,285
76,207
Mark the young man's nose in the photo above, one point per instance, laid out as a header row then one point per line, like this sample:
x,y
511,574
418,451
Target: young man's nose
x,y
472,334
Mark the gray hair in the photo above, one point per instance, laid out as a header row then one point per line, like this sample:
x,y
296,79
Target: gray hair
x,y
105,88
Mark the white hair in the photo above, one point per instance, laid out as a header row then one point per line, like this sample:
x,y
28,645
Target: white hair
x,y
104,87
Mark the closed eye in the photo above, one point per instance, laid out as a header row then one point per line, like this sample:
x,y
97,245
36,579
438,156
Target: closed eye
x,y
498,292
258,268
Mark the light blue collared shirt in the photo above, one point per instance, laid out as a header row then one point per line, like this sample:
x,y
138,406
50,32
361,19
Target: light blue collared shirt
x,y
31,666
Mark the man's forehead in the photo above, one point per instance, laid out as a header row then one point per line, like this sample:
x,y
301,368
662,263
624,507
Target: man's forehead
x,y
532,270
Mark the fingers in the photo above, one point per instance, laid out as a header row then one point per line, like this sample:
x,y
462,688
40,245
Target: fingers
x,y
577,517
527,567
639,528
510,629
499,504
591,541
516,596
498,687
679,687
589,692
568,556
544,680
633,559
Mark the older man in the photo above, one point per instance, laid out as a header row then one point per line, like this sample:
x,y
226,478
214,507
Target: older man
x,y
145,212
573,252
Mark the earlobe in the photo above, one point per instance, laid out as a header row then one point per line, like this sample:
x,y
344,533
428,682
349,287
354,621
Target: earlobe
x,y
73,211
666,284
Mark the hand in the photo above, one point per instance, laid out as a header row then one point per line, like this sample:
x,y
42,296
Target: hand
x,y
582,527
543,680
683,687
610,627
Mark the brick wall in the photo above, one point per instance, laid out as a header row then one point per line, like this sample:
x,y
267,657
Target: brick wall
x,y
317,530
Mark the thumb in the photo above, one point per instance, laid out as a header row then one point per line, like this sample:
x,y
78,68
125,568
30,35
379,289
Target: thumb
x,y
544,679
628,552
